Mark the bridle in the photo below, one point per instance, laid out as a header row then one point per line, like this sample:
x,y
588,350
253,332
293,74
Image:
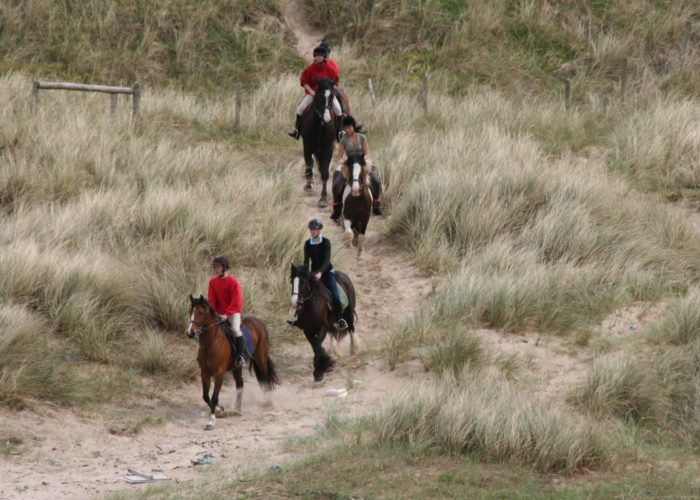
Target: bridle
x,y
191,333
303,283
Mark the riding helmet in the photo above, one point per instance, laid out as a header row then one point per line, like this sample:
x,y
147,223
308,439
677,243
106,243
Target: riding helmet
x,y
349,120
221,260
321,51
315,223
327,46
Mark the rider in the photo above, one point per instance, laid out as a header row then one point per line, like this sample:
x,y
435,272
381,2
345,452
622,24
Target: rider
x,y
317,252
319,68
226,297
354,143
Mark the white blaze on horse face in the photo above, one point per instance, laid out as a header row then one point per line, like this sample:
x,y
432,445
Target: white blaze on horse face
x,y
189,327
326,112
295,291
356,167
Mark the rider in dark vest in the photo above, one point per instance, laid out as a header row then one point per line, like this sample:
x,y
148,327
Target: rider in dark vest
x,y
317,258
354,143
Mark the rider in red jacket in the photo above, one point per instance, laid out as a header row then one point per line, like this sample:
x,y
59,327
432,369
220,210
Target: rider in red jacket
x,y
319,68
226,297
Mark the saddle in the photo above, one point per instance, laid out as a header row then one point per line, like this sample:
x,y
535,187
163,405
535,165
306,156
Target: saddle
x,y
329,299
250,349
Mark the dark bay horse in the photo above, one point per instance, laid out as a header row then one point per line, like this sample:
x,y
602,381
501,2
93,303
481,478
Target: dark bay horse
x,y
215,355
357,203
318,131
311,299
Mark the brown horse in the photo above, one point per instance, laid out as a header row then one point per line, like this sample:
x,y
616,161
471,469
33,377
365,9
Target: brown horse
x,y
216,356
310,298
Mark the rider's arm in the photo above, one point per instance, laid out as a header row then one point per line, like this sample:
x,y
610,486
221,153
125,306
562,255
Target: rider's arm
x,y
365,148
236,304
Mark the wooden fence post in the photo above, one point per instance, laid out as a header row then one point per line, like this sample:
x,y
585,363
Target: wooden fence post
x,y
371,91
136,100
35,93
567,91
237,111
623,80
424,92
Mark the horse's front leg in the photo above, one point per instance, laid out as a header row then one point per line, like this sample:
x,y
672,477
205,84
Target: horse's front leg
x,y
218,382
206,384
309,172
322,361
323,201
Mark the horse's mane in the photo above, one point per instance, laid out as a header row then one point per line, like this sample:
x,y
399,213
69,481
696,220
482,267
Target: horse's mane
x,y
308,276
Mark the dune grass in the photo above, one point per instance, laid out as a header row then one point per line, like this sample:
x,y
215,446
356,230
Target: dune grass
x,y
107,228
206,45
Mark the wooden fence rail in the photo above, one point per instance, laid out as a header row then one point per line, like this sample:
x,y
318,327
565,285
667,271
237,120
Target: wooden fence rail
x,y
134,91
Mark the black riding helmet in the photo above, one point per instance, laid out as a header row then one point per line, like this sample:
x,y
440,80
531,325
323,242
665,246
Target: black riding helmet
x,y
315,223
349,120
327,46
221,260
321,51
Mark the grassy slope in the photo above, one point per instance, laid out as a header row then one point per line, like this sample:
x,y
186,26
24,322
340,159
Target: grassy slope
x,y
558,241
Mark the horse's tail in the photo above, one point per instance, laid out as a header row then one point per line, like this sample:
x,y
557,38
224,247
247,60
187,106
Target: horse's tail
x,y
268,378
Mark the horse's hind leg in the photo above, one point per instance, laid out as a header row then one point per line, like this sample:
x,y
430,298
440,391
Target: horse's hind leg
x,y
238,376
334,345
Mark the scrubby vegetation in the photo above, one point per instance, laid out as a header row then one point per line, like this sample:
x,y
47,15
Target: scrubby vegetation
x,y
535,216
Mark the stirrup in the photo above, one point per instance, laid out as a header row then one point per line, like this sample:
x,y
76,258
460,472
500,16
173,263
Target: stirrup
x,y
341,325
240,360
294,134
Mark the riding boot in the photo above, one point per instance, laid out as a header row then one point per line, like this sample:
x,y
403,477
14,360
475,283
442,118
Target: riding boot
x,y
377,207
240,350
341,324
295,134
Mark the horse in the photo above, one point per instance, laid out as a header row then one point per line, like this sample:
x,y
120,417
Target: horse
x,y
311,299
318,131
357,203
215,356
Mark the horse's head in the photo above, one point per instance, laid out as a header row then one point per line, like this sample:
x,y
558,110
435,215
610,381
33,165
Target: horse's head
x,y
200,312
358,177
301,281
323,99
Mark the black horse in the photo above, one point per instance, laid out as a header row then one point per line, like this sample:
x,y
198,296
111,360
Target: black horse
x,y
318,131
314,316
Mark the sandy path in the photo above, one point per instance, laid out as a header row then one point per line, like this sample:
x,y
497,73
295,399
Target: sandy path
x,y
307,37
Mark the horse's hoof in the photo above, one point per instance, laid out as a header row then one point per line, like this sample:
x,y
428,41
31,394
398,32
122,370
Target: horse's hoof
x,y
308,187
209,427
322,203
318,377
